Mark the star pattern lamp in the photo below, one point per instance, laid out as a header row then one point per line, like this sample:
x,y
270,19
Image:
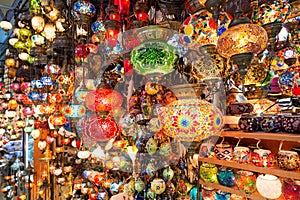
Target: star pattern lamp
x,y
190,119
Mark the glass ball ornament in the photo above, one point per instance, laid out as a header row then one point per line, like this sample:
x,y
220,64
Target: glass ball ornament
x,y
38,23
158,186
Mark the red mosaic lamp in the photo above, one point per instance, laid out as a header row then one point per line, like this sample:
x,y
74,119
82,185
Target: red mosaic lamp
x,y
103,100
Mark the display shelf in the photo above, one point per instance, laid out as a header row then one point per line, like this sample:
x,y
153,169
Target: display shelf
x,y
235,190
262,135
249,167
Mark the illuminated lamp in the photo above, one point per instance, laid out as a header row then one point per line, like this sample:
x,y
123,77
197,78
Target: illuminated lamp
x,y
5,25
190,119
38,23
112,31
103,100
124,7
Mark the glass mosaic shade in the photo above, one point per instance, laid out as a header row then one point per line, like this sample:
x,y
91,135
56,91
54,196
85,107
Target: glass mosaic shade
x,y
242,38
276,12
190,119
202,29
154,58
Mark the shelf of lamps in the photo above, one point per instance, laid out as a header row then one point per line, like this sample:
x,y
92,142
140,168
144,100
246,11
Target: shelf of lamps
x,y
262,135
235,190
272,170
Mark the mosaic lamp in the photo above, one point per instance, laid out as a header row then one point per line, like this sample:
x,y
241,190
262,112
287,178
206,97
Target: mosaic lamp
x,y
190,119
241,41
271,17
103,100
154,57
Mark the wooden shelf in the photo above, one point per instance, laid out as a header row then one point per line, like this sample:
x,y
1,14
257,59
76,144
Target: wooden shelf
x,y
235,190
232,190
262,135
249,167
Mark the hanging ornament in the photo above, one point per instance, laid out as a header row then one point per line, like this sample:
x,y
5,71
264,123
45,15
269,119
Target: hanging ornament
x,y
101,129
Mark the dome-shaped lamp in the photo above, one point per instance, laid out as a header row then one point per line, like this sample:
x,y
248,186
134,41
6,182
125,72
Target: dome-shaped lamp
x,y
103,100
38,23
271,17
241,41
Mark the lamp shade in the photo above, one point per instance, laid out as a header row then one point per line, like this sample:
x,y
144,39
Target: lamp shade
x,y
154,58
203,29
84,8
269,186
100,129
190,119
5,25
272,13
242,38
103,100
73,111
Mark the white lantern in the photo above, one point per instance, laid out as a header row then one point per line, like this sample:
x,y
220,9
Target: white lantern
x,y
269,186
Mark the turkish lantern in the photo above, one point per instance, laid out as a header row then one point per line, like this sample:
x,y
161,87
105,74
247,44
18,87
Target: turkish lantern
x,y
124,7
101,129
142,16
190,119
103,100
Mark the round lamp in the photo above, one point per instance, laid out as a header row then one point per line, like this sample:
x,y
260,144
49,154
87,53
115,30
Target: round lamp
x,y
103,100
154,58
38,23
203,29
268,186
190,119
